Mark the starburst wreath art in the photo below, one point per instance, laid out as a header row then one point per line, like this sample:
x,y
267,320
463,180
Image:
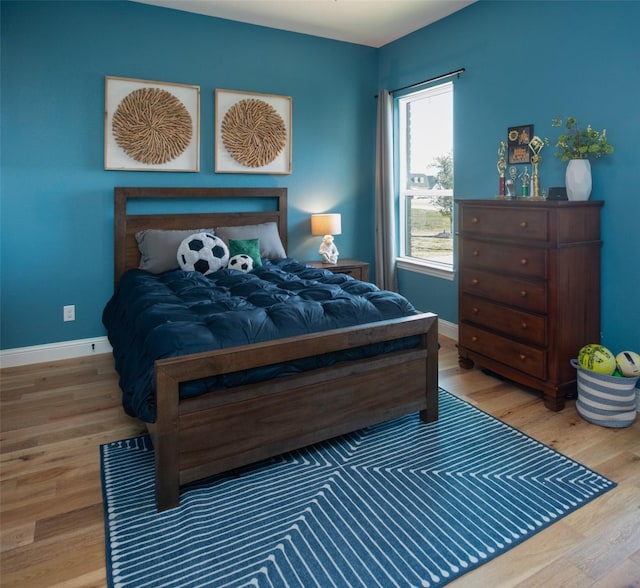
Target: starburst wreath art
x,y
252,132
151,125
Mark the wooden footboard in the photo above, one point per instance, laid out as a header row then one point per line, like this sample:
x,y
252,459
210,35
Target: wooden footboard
x,y
199,437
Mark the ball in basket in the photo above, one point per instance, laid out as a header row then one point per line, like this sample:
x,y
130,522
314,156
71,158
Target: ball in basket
x,y
241,262
597,358
628,363
203,252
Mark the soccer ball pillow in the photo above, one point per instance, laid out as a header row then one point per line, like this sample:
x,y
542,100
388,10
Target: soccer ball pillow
x,y
241,262
203,252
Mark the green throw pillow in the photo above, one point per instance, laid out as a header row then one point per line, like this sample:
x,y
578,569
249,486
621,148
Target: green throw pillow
x,y
250,247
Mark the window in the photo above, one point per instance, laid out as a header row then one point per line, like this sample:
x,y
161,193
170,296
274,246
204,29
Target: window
x,y
425,155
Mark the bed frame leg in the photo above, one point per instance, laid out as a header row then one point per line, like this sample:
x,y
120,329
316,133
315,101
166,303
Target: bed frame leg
x,y
167,485
166,442
431,413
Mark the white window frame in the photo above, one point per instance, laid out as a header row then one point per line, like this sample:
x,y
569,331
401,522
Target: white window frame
x,y
428,267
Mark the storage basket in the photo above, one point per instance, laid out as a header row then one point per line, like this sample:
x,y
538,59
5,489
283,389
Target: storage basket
x,y
603,400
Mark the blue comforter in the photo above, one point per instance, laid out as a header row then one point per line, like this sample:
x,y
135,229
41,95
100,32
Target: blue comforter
x,y
177,313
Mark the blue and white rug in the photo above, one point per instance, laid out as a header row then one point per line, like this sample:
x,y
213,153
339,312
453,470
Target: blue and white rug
x,y
399,504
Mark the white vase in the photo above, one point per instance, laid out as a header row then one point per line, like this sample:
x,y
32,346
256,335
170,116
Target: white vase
x,y
578,179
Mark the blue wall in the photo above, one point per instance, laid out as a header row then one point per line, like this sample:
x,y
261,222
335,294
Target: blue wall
x,y
528,62
57,217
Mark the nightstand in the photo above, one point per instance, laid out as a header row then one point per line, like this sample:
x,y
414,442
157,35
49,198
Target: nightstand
x,y
356,269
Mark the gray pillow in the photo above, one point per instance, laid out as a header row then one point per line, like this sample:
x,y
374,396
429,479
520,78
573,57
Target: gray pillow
x,y
159,247
270,244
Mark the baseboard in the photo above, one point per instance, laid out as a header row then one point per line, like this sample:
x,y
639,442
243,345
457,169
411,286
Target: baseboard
x,y
448,329
54,351
82,347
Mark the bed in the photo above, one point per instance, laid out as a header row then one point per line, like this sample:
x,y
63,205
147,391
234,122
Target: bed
x,y
201,435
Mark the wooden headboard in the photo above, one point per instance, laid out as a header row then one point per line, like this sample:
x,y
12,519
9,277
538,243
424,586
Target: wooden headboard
x,y
127,254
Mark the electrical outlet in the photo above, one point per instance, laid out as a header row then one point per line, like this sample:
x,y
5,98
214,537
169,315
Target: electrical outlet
x,y
69,313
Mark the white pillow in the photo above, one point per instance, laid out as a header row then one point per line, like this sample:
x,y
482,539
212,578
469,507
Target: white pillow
x,y
270,244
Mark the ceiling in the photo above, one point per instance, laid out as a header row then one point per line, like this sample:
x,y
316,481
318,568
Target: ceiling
x,y
365,22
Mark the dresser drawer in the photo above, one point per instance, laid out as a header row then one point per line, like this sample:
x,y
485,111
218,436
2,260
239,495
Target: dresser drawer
x,y
525,294
527,261
509,321
518,223
525,358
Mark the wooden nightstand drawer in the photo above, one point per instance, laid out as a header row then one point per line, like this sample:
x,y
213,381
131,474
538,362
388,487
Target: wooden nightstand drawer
x,y
509,321
527,261
352,267
526,358
523,223
525,294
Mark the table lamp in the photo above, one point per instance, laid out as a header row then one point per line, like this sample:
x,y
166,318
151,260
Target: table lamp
x,y
327,225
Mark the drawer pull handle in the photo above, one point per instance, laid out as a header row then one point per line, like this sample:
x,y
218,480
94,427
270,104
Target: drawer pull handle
x,y
524,224
524,261
475,281
475,220
474,338
476,253
524,325
522,356
475,310
523,293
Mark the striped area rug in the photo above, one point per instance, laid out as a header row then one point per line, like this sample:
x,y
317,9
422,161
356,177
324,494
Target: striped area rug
x,y
398,504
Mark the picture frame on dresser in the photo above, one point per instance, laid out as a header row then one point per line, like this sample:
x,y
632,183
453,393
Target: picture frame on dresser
x,y
518,139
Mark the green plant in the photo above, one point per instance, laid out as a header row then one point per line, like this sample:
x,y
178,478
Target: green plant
x,y
580,144
444,165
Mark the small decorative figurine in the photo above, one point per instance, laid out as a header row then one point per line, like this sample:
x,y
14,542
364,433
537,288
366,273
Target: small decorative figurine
x,y
526,182
328,250
536,146
511,183
502,167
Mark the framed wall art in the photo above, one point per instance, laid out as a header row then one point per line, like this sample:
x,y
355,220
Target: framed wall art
x,y
153,126
518,143
252,133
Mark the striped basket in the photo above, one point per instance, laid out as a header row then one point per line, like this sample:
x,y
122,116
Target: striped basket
x,y
608,401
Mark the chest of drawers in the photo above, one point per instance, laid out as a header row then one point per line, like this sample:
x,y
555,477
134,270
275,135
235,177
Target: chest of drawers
x,y
529,289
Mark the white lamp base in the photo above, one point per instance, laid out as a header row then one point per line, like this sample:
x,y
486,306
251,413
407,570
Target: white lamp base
x,y
328,250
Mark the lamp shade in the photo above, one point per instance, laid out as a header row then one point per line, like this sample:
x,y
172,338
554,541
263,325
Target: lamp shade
x,y
326,224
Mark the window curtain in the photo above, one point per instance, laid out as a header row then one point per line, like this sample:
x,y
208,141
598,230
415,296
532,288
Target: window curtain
x,y
385,227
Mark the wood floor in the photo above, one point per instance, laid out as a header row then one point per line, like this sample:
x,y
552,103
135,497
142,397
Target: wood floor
x,y
55,416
